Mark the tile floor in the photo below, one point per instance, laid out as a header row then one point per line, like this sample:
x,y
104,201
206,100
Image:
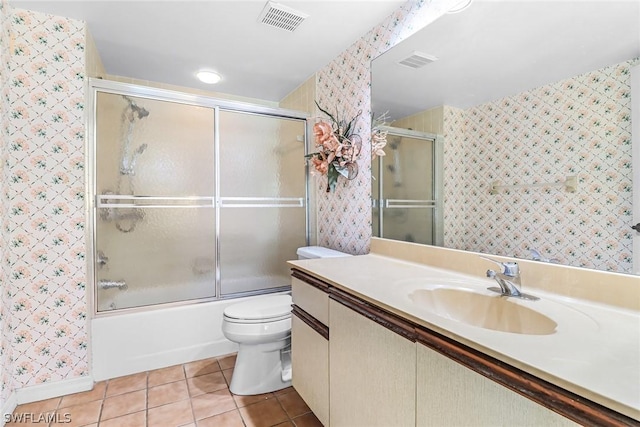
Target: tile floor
x,y
192,395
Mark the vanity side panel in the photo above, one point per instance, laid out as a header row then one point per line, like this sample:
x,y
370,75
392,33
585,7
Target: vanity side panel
x,y
310,368
451,394
371,371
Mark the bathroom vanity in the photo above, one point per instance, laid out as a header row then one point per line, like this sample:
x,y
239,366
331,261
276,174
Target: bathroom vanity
x,y
394,339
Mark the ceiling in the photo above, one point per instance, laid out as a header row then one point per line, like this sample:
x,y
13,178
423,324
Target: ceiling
x,y
500,48
168,41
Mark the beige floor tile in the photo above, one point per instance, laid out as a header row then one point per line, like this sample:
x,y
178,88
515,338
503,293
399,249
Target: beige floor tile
x,y
166,375
248,400
29,419
124,404
227,375
137,419
79,415
40,406
307,420
206,383
227,419
170,415
96,393
210,404
126,384
227,362
195,394
168,393
201,367
263,414
293,404
283,391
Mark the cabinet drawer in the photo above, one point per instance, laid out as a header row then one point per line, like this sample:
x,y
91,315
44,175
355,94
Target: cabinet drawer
x,y
311,299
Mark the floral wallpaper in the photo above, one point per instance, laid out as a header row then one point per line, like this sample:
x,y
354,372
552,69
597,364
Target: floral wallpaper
x,y
344,216
579,126
5,349
44,302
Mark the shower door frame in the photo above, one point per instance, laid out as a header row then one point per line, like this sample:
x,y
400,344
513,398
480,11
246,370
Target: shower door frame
x,y
437,204
92,200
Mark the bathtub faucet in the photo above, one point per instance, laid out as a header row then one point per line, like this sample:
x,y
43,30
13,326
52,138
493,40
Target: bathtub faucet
x,y
508,279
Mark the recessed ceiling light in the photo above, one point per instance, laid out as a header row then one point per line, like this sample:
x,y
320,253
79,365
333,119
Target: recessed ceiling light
x,y
209,77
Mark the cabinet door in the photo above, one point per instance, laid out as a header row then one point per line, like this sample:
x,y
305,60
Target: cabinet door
x,y
371,370
310,368
453,395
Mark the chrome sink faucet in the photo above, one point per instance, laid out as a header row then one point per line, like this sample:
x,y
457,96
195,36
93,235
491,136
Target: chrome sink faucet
x,y
508,279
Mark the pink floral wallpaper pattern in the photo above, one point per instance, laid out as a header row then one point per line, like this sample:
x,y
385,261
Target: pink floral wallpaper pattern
x,y
579,126
44,316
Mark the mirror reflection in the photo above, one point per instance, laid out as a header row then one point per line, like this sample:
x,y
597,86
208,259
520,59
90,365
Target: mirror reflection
x,y
526,98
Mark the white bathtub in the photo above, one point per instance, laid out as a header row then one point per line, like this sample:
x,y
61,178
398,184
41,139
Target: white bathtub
x,y
123,344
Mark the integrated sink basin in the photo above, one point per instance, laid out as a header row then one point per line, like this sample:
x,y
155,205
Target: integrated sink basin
x,y
483,310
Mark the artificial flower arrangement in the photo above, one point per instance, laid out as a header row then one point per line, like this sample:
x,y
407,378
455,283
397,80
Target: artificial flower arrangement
x,y
338,148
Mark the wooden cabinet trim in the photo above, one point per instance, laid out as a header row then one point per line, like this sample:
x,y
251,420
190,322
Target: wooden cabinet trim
x,y
557,399
389,320
311,321
310,280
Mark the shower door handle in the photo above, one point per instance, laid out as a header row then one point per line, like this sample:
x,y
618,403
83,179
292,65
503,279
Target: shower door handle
x,y
408,203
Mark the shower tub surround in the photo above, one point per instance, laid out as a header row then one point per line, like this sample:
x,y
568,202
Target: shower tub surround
x,y
593,352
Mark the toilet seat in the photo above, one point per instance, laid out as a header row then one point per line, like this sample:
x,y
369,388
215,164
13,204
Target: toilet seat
x,y
260,310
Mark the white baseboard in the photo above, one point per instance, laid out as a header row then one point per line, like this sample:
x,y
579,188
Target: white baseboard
x,y
8,407
44,391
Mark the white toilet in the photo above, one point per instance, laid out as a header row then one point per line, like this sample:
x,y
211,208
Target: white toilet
x,y
262,329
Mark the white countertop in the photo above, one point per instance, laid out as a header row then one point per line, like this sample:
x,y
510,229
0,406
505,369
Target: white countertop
x,y
594,352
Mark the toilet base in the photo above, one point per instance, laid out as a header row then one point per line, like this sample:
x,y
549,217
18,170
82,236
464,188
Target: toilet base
x,y
259,368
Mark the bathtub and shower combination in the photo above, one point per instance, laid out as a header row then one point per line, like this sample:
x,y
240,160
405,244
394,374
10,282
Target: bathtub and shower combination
x,y
194,202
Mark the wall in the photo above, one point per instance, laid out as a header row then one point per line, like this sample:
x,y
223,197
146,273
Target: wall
x,y
344,217
303,99
425,121
6,381
44,332
579,126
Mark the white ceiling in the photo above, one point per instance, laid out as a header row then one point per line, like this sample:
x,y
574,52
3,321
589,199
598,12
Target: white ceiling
x,y
500,48
168,41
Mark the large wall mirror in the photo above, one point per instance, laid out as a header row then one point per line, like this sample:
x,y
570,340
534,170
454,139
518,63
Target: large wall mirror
x,y
532,103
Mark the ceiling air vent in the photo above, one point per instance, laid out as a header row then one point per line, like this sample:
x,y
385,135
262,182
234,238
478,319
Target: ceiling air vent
x,y
281,16
417,60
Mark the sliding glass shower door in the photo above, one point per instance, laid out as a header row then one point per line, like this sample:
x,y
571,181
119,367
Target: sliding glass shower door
x,y
193,200
406,188
262,200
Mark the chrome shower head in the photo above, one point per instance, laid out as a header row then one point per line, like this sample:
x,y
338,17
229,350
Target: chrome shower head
x,y
136,110
140,111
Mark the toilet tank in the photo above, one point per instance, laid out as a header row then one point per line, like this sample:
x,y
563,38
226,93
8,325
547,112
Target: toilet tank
x,y
309,252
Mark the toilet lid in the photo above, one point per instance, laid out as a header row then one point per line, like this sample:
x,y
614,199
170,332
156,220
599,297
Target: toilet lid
x,y
264,308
